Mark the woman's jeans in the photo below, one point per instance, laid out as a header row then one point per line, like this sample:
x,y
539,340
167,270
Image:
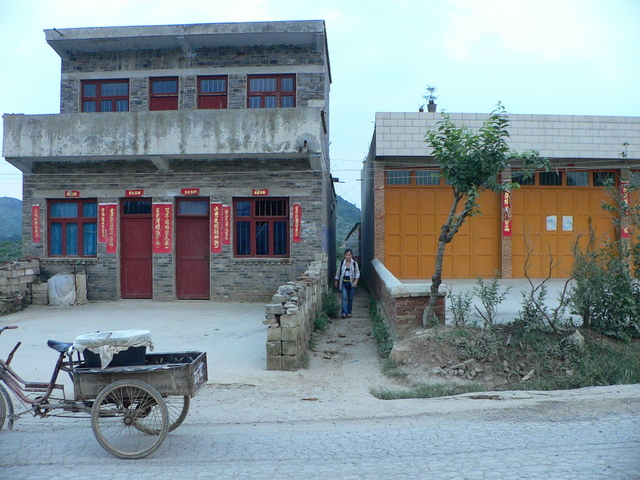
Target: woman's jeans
x,y
347,298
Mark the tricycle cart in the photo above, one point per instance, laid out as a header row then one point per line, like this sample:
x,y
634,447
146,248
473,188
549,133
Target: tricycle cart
x,y
132,407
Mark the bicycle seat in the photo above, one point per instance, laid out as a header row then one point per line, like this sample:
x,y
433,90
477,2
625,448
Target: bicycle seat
x,y
59,346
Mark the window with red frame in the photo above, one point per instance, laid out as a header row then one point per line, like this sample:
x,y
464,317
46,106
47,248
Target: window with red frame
x,y
105,96
163,93
72,228
212,92
261,227
271,91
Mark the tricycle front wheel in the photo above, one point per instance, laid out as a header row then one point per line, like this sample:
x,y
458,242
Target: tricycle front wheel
x,y
129,419
6,409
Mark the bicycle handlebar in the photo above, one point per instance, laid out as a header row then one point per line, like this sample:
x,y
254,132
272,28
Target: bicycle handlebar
x,y
7,327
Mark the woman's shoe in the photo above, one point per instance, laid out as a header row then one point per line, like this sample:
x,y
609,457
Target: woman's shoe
x,y
348,315
344,316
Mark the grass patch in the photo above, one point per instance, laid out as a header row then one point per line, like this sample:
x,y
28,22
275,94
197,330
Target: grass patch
x,y
425,390
391,369
597,364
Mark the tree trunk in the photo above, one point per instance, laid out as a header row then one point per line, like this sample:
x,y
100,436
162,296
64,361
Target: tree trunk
x,y
429,315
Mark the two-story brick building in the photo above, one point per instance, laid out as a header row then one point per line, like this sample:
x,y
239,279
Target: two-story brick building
x,y
187,161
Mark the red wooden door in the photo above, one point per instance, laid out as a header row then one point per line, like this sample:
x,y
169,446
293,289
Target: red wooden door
x,y
136,270
192,249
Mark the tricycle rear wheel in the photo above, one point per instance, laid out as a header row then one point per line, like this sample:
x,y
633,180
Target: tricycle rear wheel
x,y
178,407
129,419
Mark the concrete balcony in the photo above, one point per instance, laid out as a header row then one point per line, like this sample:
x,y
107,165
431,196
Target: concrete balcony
x,y
166,135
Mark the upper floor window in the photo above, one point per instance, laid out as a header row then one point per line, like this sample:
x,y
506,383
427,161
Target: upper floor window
x,y
163,93
271,91
72,228
105,95
212,92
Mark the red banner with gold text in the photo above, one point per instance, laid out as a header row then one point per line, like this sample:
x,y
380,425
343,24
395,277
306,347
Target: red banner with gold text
x,y
35,224
297,222
216,228
111,227
162,228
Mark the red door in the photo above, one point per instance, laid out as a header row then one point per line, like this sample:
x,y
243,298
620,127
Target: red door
x,y
136,249
192,249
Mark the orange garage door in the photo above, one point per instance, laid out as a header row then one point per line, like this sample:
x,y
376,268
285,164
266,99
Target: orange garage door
x,y
547,221
413,217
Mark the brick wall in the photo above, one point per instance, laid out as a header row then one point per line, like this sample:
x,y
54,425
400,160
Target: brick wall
x,y
236,63
402,305
220,181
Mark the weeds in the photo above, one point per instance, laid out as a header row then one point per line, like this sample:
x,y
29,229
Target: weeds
x,y
331,304
461,307
391,369
491,298
379,330
321,322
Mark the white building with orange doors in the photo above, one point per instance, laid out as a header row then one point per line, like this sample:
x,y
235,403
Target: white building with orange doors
x,y
405,201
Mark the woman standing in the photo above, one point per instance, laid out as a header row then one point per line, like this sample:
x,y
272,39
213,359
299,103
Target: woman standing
x,y
347,280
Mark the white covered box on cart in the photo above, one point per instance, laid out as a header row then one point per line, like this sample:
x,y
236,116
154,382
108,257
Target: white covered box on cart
x,y
114,349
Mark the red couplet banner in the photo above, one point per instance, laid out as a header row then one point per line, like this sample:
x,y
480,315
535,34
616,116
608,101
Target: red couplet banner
x,y
35,223
626,198
226,225
102,223
111,227
297,222
216,228
162,228
506,219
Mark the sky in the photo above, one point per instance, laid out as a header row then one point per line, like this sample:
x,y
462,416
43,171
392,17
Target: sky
x,y
566,57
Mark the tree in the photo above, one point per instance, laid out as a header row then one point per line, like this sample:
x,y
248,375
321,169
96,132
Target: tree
x,y
472,162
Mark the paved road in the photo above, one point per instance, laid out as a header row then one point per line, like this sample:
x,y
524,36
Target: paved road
x,y
520,443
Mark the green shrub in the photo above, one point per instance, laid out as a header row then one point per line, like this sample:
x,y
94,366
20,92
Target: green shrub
x,y
10,251
321,322
491,298
605,293
460,304
331,305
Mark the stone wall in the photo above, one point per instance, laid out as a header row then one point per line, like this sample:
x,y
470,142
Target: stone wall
x,y
291,315
18,276
16,279
403,304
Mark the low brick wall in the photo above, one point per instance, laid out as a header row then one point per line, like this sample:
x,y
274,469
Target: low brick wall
x,y
18,276
291,315
403,303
